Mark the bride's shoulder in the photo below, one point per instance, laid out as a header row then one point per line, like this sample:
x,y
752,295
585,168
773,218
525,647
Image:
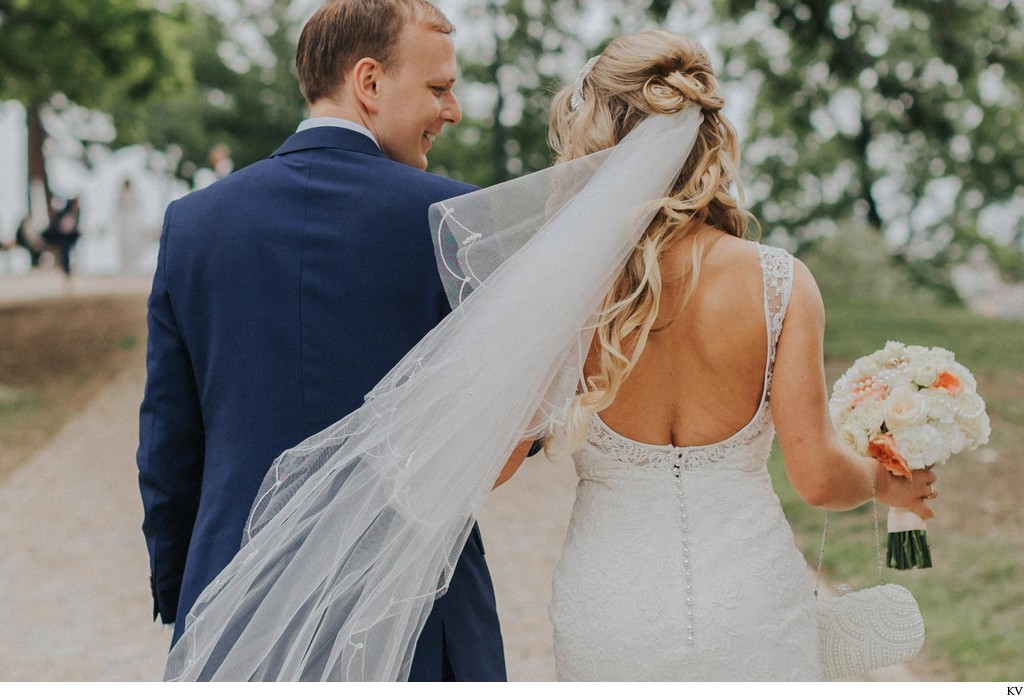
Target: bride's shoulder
x,y
734,254
730,250
805,303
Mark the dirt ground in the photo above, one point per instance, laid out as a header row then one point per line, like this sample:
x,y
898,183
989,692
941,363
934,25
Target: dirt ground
x,y
59,345
74,590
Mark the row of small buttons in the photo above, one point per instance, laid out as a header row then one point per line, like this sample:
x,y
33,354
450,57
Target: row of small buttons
x,y
677,469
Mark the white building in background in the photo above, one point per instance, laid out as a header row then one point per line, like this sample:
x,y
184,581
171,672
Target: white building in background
x,y
109,238
13,168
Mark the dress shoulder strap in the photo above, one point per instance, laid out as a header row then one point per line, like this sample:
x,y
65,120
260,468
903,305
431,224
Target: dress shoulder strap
x,y
777,271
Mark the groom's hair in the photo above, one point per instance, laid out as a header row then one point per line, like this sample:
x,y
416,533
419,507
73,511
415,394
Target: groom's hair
x,y
342,32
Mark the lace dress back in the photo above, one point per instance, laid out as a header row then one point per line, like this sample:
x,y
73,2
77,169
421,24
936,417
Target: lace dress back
x,y
679,564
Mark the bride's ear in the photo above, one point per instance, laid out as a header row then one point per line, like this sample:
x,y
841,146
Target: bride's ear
x,y
365,77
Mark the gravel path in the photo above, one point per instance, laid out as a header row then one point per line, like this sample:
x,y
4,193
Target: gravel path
x,y
52,284
74,589
74,575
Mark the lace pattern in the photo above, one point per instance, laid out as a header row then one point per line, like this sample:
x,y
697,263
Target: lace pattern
x,y
630,453
777,270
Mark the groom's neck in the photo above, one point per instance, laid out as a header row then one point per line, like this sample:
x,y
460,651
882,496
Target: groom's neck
x,y
342,109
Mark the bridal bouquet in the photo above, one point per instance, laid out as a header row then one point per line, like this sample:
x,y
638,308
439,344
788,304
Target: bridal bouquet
x,y
909,407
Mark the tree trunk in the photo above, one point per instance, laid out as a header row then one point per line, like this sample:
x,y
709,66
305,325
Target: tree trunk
x,y
863,141
36,161
498,157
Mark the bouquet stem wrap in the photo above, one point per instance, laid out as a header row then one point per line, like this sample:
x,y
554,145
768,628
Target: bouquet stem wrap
x,y
908,541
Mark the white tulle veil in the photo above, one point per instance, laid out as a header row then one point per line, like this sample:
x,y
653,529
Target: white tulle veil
x,y
357,530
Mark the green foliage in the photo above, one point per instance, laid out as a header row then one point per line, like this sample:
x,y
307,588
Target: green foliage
x,y
856,262
855,327
514,75
95,54
250,106
906,114
531,48
93,51
15,401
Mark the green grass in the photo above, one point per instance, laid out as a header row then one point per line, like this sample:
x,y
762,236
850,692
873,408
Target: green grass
x,y
982,344
973,599
16,402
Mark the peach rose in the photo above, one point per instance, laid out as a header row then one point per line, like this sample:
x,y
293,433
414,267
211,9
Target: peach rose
x,y
883,448
950,382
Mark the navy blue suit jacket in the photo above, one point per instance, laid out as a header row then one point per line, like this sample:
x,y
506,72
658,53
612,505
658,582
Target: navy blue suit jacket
x,y
282,295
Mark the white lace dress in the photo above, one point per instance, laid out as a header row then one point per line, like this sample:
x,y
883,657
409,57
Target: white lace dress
x,y
679,564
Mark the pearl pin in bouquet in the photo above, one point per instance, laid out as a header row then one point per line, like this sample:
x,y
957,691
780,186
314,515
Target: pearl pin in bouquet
x,y
909,407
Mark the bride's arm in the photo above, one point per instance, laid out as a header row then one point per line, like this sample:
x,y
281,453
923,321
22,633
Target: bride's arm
x,y
824,472
519,454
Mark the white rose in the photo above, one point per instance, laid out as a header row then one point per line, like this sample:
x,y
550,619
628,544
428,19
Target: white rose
x,y
925,370
854,438
840,413
904,408
953,438
868,416
984,430
920,445
968,403
893,348
965,376
939,405
973,419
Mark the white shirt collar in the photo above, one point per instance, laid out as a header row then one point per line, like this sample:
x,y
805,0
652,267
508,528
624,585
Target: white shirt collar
x,y
337,122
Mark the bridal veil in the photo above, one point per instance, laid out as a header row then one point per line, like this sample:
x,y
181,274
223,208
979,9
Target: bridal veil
x,y
356,531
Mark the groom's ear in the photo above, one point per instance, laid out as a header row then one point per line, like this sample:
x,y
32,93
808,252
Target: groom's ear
x,y
366,75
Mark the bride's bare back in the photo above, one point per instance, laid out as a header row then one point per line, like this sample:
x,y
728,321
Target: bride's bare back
x,y
699,379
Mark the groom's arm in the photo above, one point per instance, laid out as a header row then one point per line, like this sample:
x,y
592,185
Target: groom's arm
x,y
171,446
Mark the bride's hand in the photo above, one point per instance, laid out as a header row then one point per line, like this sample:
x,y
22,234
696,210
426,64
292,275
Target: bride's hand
x,y
911,493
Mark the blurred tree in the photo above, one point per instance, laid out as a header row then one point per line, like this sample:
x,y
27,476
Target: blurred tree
x,y
905,114
506,86
525,51
96,53
242,95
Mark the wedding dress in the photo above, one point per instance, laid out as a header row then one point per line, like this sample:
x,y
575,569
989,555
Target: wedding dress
x,y
679,564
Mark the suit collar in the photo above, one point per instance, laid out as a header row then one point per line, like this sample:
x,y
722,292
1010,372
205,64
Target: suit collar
x,y
329,137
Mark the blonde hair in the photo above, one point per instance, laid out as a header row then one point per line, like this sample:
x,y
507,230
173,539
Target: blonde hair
x,y
655,72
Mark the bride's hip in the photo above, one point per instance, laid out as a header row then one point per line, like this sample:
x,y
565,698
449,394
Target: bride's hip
x,y
635,640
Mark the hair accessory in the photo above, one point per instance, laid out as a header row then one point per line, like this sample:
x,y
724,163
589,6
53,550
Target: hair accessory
x,y
577,90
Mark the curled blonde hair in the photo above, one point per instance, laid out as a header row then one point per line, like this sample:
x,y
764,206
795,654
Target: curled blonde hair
x,y
655,72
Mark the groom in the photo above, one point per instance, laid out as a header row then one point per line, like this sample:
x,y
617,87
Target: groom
x,y
286,291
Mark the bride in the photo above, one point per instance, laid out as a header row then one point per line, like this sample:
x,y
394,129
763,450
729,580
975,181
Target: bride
x,y
613,304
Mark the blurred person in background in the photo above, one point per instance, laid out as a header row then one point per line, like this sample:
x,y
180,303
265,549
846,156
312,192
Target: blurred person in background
x,y
62,233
